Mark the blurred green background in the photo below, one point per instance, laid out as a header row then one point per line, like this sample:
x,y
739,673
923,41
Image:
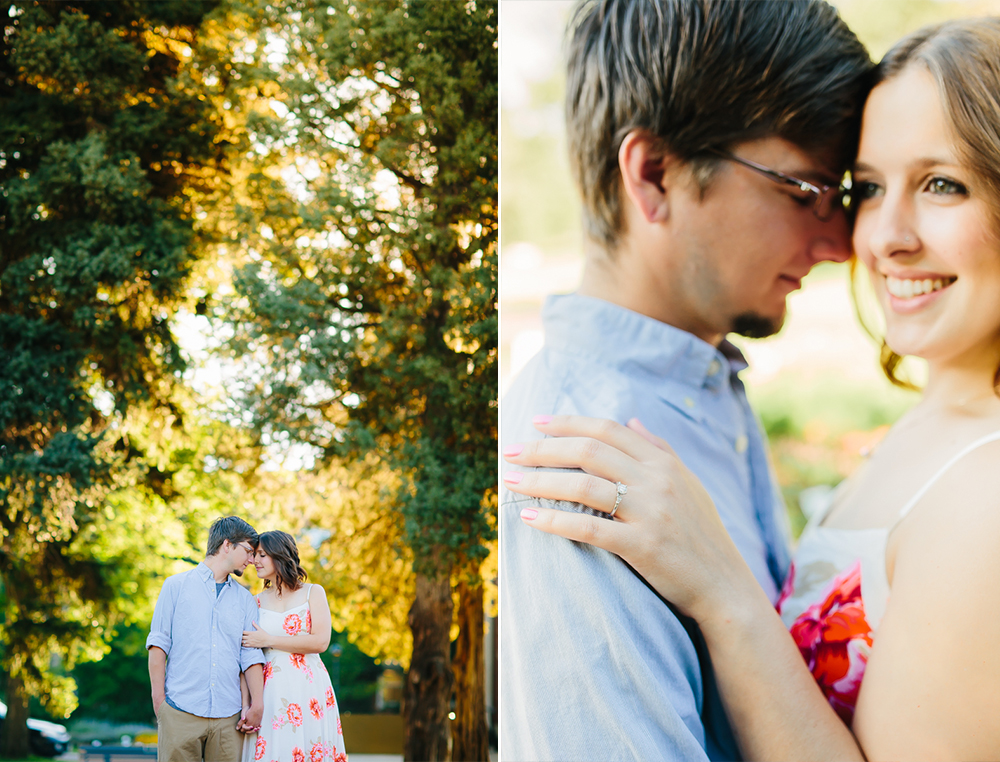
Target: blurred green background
x,y
816,385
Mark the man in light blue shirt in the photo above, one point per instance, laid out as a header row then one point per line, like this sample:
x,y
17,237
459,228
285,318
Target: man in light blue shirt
x,y
196,653
708,139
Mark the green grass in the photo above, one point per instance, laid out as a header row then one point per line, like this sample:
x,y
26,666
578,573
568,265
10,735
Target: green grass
x,y
791,406
817,428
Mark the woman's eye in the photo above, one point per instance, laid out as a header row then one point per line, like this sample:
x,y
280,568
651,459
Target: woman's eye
x,y
864,190
946,187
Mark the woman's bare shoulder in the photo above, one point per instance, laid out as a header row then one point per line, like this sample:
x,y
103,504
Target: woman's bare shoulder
x,y
934,667
967,495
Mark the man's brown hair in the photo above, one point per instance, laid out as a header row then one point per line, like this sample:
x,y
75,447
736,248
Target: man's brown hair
x,y
699,75
231,528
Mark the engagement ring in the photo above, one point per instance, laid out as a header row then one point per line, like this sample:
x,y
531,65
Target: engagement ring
x,y
622,489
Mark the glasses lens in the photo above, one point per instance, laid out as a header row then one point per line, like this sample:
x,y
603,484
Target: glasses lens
x,y
831,201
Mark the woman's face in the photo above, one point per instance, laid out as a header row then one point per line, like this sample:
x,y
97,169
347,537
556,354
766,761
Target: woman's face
x,y
264,564
924,229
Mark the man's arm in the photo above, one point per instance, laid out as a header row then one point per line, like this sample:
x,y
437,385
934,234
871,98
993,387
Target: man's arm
x,y
596,666
255,714
252,667
158,643
157,676
244,695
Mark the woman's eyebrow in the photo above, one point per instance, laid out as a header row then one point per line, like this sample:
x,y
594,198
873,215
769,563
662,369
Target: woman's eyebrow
x,y
922,163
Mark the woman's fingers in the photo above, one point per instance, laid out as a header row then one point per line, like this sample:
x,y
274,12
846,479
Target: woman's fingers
x,y
633,442
636,425
580,527
587,454
591,491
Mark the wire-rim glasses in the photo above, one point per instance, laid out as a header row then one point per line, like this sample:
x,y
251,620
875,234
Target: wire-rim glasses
x,y
827,199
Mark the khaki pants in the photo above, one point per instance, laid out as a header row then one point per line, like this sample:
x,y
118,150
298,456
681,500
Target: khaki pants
x,y
183,737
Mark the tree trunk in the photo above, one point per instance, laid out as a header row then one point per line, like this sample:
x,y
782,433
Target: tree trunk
x,y
470,740
14,741
429,681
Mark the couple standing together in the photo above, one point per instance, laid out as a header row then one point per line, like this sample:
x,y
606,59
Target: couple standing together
x,y
237,677
709,139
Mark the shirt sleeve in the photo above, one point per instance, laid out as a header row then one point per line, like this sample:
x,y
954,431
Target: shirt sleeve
x,y
251,614
163,615
595,664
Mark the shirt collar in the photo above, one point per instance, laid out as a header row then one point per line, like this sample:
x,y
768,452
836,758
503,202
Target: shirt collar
x,y
208,575
614,335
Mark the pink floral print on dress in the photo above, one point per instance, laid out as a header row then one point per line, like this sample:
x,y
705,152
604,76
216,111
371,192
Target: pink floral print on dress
x,y
835,639
300,712
316,709
293,624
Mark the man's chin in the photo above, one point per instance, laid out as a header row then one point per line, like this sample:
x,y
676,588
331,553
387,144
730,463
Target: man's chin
x,y
755,326
238,572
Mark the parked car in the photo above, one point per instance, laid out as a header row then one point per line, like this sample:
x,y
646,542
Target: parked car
x,y
46,739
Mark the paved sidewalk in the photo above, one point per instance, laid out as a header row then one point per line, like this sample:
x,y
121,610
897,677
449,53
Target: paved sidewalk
x,y
72,756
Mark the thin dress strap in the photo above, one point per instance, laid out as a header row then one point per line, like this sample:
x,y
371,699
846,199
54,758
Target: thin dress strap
x,y
930,483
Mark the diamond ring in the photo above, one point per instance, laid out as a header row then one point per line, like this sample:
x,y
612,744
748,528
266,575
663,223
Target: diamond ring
x,y
621,490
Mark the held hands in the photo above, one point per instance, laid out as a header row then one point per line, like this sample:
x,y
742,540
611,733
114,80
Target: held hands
x,y
250,719
256,638
665,526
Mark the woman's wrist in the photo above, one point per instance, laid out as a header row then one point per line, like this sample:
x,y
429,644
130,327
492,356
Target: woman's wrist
x,y
732,600
737,612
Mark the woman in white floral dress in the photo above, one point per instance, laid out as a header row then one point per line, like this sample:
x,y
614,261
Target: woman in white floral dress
x,y
301,721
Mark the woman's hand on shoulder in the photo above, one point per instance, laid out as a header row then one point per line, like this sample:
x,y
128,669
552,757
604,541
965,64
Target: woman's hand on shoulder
x,y
665,525
256,638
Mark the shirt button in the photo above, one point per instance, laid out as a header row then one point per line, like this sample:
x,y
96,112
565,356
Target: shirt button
x,y
689,402
741,444
714,367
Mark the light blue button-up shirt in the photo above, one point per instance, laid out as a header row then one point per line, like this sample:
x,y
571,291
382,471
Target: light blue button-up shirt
x,y
202,635
595,665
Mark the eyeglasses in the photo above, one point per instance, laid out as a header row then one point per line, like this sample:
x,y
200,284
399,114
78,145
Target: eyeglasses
x,y
247,548
827,199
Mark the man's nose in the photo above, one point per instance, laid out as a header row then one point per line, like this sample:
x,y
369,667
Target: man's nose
x,y
831,240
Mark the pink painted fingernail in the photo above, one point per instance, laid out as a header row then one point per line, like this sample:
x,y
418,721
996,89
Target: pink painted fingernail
x,y
511,450
528,514
541,420
513,477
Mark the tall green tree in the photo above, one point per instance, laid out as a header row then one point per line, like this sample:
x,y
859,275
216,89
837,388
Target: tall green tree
x,y
103,147
368,299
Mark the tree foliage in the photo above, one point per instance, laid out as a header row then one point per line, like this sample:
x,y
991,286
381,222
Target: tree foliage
x,y
366,306
370,286
344,155
103,150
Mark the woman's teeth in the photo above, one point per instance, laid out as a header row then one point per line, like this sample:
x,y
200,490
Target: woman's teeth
x,y
907,289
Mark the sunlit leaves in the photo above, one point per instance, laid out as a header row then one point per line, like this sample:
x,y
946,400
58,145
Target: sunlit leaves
x,y
107,149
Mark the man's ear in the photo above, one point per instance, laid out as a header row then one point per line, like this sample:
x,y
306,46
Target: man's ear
x,y
644,175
